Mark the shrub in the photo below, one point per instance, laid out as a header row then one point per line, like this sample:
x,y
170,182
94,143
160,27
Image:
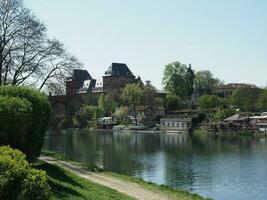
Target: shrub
x,y
35,186
24,116
18,180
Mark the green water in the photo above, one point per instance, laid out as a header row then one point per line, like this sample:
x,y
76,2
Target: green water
x,y
220,167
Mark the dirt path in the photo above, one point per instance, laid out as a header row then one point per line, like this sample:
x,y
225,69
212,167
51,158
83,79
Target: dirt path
x,y
131,189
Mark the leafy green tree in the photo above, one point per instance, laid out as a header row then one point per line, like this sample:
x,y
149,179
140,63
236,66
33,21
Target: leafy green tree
x,y
205,83
132,95
122,114
150,101
82,118
245,98
262,100
207,102
174,79
189,81
223,114
173,102
106,104
24,116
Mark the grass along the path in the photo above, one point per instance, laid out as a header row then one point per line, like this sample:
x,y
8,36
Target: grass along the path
x,y
174,193
179,194
68,186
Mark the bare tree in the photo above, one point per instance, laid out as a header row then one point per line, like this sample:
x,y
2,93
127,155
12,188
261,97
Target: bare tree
x,y
27,56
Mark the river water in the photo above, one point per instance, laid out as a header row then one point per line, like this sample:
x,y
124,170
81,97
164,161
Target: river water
x,y
221,167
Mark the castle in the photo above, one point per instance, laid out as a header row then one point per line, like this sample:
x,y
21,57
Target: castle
x,y
115,77
81,84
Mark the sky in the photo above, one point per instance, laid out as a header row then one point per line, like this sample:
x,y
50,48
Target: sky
x,y
227,37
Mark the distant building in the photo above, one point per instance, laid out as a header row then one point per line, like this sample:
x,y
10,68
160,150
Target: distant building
x,y
117,76
238,121
175,123
75,83
227,90
260,122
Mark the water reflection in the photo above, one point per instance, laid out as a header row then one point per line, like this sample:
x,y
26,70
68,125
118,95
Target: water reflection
x,y
217,166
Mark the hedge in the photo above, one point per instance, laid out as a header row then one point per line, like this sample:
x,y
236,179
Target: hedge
x,y
18,180
24,116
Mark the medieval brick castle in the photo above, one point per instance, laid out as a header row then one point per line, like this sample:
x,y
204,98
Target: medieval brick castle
x,y
81,84
115,77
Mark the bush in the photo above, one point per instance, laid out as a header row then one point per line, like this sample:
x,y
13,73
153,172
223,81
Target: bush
x,y
35,186
18,180
24,116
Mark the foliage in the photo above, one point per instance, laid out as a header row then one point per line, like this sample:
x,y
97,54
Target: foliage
x,y
205,83
150,102
189,81
82,118
24,116
27,55
245,98
174,79
132,94
106,104
122,114
262,100
210,102
18,180
223,114
173,102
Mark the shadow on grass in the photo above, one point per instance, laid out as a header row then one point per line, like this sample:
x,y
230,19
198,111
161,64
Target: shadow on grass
x,y
57,179
58,174
61,191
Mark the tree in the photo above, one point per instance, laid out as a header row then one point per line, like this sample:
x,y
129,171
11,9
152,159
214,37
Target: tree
x,y
122,114
173,78
207,102
27,56
24,116
150,101
223,114
178,79
205,83
262,100
106,104
189,81
132,95
245,98
82,118
173,102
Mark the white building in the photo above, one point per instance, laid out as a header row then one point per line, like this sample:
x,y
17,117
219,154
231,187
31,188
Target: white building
x,y
175,123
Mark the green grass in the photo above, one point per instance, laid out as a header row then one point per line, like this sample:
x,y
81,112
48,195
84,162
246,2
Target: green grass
x,y
67,186
61,156
176,193
179,194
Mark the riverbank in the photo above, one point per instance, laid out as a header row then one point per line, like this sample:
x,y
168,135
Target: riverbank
x,y
119,186
244,132
65,185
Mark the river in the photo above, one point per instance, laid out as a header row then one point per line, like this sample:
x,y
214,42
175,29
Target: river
x,y
220,167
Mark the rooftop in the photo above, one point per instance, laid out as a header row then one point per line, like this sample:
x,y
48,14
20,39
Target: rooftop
x,y
237,85
118,69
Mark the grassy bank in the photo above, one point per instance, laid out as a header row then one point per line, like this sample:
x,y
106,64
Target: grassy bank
x,y
67,186
179,194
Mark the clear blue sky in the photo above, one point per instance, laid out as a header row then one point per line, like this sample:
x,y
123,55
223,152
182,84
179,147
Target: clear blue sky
x,y
227,37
